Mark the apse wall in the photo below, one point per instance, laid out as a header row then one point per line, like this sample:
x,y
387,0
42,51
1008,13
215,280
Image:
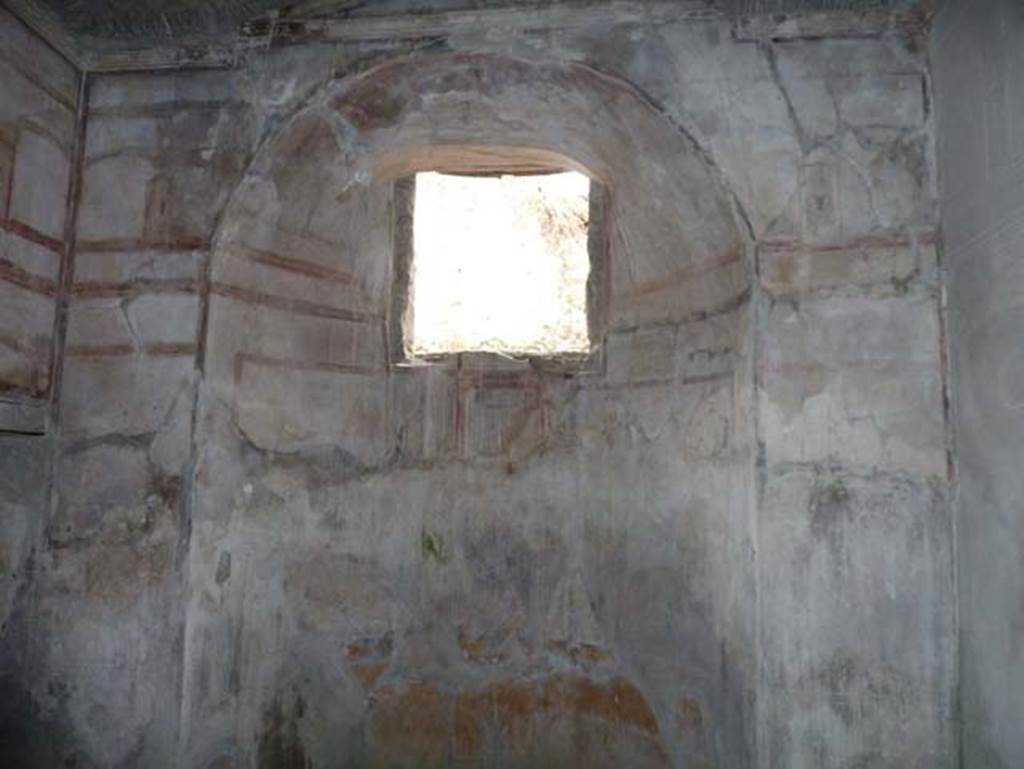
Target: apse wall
x,y
724,541
480,540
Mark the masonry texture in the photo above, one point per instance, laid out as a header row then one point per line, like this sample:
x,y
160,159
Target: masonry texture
x,y
239,531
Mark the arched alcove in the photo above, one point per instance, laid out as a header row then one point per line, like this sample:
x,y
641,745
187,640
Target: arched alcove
x,y
308,232
457,534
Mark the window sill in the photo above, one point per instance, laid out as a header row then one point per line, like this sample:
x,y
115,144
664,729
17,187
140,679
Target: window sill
x,y
568,364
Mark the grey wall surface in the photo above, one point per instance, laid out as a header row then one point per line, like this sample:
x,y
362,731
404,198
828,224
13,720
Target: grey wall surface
x,y
37,117
854,553
38,99
725,543
977,52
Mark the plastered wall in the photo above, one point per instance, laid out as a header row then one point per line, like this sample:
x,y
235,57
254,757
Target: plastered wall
x,y
977,57
725,542
38,105
37,131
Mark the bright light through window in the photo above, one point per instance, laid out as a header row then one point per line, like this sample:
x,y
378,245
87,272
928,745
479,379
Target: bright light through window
x,y
500,264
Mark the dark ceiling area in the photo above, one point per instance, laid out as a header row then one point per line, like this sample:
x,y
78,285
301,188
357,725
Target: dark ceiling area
x,y
130,19
166,20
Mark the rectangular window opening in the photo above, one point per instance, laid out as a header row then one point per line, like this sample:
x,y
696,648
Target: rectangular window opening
x,y
495,264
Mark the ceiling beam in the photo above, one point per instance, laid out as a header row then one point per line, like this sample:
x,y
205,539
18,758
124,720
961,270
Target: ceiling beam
x,y
564,15
830,24
328,23
167,56
277,30
44,22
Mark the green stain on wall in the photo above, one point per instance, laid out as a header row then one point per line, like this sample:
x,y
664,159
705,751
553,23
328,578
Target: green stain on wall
x,y
433,548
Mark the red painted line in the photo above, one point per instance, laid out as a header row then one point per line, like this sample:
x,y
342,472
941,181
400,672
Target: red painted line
x,y
98,289
113,245
286,304
299,266
8,191
866,243
153,350
33,235
12,273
